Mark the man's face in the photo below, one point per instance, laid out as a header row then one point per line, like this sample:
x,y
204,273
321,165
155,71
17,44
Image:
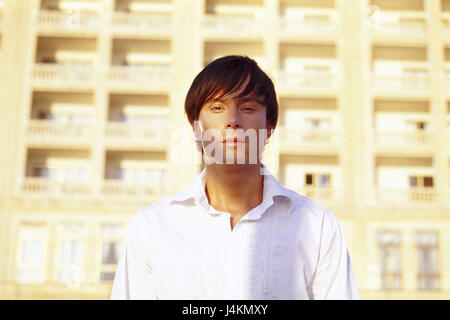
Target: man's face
x,y
234,129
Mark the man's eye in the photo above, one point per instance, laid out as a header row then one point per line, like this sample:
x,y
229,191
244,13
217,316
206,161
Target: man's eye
x,y
248,108
216,107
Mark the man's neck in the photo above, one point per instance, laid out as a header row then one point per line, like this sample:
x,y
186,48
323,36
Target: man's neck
x,y
235,189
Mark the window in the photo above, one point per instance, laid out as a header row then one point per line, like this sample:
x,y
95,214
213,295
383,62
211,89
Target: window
x,y
427,247
317,124
389,248
415,126
317,131
113,236
421,188
70,262
421,181
148,177
317,186
32,249
319,180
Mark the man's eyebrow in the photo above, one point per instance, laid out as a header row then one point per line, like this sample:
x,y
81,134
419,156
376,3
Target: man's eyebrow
x,y
240,99
251,99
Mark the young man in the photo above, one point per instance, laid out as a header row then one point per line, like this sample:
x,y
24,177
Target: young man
x,y
234,233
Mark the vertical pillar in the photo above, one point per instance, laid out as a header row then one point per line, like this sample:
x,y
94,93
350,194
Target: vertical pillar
x,y
100,91
438,103
408,254
187,57
15,93
350,53
271,46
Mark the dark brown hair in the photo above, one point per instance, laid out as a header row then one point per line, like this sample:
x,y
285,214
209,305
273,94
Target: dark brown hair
x,y
225,75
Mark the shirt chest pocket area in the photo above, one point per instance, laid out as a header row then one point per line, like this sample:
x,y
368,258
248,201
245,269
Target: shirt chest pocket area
x,y
178,272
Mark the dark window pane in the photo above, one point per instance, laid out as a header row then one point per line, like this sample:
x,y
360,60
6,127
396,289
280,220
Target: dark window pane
x,y
107,276
110,253
428,181
309,179
324,180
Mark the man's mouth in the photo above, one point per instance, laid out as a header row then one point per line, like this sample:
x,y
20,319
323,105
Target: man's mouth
x,y
232,141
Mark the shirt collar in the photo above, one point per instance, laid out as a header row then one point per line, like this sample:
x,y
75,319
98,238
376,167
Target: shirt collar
x,y
272,191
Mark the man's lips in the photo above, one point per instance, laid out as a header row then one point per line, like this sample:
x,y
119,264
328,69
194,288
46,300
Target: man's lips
x,y
232,140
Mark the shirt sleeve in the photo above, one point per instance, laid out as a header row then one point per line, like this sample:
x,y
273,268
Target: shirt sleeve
x,y
333,278
133,279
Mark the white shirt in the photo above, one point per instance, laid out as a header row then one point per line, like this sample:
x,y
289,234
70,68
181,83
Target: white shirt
x,y
288,247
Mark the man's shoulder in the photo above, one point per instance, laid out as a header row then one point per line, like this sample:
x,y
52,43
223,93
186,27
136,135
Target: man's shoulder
x,y
164,206
302,205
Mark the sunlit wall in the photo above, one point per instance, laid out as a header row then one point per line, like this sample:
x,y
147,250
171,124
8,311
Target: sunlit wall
x,y
92,128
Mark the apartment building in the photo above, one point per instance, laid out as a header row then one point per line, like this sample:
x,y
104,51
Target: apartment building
x,y
93,128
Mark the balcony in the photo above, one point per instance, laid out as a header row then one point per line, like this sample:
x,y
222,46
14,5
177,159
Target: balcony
x,y
415,196
47,131
37,186
404,140
309,80
251,48
139,64
152,76
308,67
141,23
401,69
233,19
298,138
232,25
406,81
131,191
409,25
124,134
446,73
77,21
63,74
309,22
135,175
446,25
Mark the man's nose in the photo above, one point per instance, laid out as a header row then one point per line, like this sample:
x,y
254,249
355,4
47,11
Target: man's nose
x,y
233,121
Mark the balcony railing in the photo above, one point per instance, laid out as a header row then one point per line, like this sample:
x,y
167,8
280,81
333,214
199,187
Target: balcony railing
x,y
52,129
141,22
314,22
146,75
308,80
309,137
232,24
446,25
123,189
126,130
407,196
325,194
447,78
430,281
66,73
76,20
404,139
47,187
393,24
402,82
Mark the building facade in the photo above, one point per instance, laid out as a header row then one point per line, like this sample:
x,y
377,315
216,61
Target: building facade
x,y
93,128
